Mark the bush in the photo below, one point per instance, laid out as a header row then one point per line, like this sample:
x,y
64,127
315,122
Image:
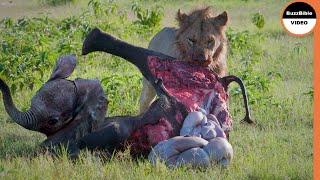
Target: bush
x,y
258,20
30,46
244,49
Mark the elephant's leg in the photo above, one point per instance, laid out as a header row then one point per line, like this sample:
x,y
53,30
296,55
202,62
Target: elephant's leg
x,y
147,96
115,130
107,138
97,40
226,81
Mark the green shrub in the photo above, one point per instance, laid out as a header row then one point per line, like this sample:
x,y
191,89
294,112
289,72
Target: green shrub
x,y
29,47
245,53
258,20
148,18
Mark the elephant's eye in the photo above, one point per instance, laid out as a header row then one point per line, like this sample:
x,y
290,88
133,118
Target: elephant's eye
x,y
191,40
210,42
53,121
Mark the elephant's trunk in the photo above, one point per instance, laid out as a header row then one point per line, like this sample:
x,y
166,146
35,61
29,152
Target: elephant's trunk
x,y
25,119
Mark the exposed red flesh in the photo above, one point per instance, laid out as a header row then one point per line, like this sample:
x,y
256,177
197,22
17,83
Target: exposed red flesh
x,y
185,81
192,85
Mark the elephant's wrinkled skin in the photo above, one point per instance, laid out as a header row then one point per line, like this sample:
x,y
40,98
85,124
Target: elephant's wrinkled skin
x,y
73,112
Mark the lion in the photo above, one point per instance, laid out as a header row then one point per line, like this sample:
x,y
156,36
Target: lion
x,y
200,38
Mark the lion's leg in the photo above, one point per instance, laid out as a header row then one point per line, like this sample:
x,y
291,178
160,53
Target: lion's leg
x,y
147,96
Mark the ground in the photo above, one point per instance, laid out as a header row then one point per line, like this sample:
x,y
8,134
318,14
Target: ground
x,y
279,146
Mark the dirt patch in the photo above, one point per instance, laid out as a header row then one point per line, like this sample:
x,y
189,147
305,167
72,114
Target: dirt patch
x,y
32,8
7,4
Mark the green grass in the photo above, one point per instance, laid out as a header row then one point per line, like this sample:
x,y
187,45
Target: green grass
x,y
279,146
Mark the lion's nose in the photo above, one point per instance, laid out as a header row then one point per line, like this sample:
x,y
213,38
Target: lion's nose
x,y
200,57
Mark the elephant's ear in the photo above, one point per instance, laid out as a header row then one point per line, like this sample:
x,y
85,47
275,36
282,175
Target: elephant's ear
x,y
91,100
64,67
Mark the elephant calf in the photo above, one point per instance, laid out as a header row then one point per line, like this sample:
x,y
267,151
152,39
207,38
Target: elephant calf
x,y
73,112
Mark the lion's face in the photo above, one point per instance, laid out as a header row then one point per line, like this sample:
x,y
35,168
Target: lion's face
x,y
201,36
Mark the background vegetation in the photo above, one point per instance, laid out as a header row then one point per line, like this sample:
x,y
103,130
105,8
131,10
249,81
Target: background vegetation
x,y
277,70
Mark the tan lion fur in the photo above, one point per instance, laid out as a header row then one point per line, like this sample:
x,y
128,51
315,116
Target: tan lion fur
x,y
200,39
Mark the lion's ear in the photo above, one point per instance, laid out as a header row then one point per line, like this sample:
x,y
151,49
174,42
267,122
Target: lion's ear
x,y
221,19
182,18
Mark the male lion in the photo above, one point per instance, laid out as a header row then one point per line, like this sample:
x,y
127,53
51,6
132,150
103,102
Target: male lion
x,y
200,39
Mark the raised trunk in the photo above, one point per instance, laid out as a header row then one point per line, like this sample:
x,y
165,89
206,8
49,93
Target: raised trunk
x,y
25,119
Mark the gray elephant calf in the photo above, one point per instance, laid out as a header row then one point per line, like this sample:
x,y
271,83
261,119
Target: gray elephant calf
x,y
73,112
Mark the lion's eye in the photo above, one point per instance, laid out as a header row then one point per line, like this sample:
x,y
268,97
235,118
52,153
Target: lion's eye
x,y
191,40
